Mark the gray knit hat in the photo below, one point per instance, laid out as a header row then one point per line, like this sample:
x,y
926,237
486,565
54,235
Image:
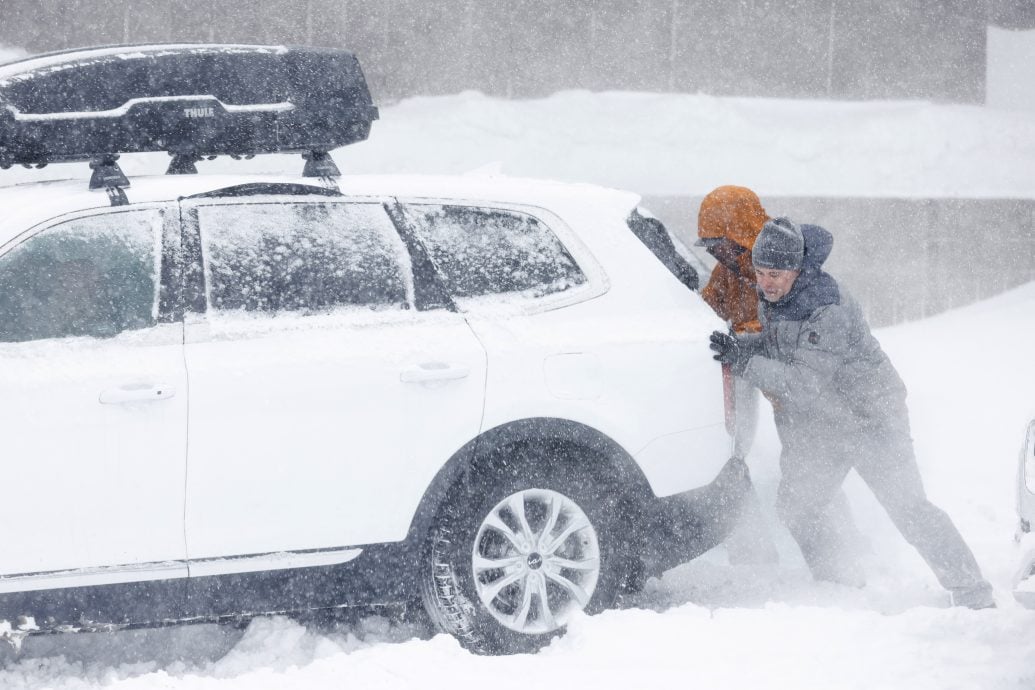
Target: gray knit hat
x,y
780,245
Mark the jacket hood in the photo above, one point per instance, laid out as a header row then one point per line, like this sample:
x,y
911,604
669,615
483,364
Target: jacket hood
x,y
818,245
813,288
731,212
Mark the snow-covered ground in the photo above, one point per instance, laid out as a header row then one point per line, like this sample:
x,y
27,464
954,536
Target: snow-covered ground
x,y
707,623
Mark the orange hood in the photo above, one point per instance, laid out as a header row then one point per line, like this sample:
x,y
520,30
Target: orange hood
x,y
731,212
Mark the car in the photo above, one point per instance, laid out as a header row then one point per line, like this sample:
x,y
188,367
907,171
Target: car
x,y
233,395
1024,581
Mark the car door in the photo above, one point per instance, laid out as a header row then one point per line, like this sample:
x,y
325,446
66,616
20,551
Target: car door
x,y
323,400
94,407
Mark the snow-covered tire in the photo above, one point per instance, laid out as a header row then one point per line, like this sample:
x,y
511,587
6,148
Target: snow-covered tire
x,y
524,544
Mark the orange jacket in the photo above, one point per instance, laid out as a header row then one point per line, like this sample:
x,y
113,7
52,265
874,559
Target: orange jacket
x,y
736,214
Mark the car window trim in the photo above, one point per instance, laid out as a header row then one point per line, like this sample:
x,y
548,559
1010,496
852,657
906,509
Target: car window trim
x,y
192,274
170,289
429,288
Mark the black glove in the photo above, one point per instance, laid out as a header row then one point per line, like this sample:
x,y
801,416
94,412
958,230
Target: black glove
x,y
727,252
728,351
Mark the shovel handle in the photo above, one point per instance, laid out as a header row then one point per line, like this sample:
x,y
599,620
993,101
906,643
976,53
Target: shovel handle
x,y
729,399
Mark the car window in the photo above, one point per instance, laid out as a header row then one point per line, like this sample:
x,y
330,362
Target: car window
x,y
302,257
94,276
484,251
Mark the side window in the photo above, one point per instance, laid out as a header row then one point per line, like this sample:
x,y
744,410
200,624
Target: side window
x,y
484,251
302,257
95,276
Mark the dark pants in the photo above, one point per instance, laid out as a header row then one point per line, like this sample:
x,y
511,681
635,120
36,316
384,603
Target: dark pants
x,y
815,460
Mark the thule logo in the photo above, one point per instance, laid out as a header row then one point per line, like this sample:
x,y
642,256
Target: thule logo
x,y
199,112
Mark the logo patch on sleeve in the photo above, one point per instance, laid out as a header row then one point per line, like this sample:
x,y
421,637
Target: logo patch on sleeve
x,y
814,337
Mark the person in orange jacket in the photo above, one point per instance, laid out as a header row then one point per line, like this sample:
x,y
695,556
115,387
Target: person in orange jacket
x,y
728,223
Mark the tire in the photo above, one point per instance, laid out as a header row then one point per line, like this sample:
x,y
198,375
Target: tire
x,y
518,549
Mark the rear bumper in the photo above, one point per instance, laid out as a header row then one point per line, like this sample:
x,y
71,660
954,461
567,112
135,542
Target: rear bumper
x,y
679,528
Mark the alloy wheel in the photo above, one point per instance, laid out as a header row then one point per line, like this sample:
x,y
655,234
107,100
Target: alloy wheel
x,y
536,560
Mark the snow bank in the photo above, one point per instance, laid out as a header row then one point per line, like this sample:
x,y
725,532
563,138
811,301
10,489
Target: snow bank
x,y
674,144
8,53
669,144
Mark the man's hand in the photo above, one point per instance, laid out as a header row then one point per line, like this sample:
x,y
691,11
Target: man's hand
x,y
728,351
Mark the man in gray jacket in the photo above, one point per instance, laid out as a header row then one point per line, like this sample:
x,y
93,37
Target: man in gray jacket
x,y
838,404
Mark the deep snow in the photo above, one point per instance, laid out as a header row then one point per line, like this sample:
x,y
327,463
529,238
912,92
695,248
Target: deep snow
x,y
705,624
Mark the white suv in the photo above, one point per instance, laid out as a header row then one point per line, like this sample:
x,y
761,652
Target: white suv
x,y
237,395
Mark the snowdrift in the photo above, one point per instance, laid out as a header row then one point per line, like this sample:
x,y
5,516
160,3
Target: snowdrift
x,y
678,144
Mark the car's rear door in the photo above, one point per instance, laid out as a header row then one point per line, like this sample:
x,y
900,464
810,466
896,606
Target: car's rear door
x,y
94,406
325,394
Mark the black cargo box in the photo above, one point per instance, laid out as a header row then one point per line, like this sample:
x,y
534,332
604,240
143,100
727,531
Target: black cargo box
x,y
191,100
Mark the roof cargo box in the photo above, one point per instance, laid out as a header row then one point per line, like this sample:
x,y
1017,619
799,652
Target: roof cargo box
x,y
190,100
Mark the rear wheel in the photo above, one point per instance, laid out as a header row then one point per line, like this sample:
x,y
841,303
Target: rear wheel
x,y
511,560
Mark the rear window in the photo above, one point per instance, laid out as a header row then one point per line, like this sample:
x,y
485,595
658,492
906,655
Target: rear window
x,y
487,251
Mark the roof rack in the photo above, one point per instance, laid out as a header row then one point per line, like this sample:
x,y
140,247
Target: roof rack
x,y
194,101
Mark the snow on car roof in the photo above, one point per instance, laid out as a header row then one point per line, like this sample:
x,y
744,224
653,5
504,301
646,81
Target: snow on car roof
x,y
28,204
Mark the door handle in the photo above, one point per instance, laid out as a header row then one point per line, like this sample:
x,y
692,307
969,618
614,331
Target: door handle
x,y
136,392
433,371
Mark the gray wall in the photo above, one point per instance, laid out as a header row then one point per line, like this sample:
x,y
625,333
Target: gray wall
x,y
905,259
842,49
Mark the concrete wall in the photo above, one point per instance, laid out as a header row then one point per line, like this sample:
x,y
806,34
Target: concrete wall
x,y
841,49
905,259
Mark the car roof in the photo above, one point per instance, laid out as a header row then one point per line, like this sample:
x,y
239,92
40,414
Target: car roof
x,y
25,205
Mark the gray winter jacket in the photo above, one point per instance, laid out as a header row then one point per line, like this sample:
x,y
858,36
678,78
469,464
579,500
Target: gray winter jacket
x,y
815,359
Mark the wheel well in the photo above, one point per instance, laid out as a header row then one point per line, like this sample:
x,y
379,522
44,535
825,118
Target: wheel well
x,y
578,444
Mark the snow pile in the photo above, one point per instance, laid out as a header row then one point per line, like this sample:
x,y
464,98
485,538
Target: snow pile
x,y
677,144
672,144
7,54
